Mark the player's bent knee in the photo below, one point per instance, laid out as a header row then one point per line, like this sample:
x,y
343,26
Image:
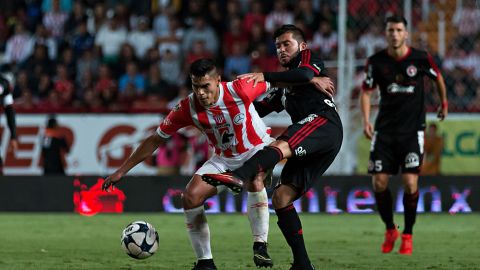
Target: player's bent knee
x,y
256,185
191,200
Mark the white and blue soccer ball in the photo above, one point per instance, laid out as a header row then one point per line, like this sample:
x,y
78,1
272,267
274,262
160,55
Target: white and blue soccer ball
x,y
139,240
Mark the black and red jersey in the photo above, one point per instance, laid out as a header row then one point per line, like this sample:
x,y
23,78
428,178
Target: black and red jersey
x,y
401,84
302,100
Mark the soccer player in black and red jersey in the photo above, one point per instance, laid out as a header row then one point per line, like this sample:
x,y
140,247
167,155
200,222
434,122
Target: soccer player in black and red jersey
x,y
398,136
310,144
6,100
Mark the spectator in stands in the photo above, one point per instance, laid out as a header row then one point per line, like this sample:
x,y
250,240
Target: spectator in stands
x,y
97,19
54,21
172,39
216,18
68,59
105,80
254,16
22,84
171,67
234,36
87,63
81,40
280,15
325,40
200,32
197,51
433,151
41,37
19,46
142,38
132,78
54,148
45,85
306,13
372,40
237,63
155,85
127,55
75,18
467,21
38,63
460,98
262,61
474,105
109,40
63,85
26,102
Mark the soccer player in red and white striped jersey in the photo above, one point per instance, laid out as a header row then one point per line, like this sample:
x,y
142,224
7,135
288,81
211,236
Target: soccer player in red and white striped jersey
x,y
224,111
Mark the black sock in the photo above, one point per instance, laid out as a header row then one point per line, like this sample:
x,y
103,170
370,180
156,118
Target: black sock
x,y
410,202
384,207
291,227
263,160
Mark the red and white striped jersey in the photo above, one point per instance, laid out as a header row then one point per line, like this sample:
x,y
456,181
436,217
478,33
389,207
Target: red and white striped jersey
x,y
232,125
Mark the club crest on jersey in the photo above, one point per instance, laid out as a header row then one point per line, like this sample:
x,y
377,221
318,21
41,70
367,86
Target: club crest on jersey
x,y
238,119
411,70
412,160
219,119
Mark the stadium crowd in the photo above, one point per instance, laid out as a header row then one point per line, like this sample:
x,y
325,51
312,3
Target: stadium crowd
x,y
132,56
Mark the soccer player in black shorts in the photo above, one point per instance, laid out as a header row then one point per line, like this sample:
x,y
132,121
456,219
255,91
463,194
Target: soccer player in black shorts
x,y
6,100
398,137
310,144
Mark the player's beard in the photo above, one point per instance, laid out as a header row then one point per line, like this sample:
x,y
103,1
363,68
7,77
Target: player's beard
x,y
292,58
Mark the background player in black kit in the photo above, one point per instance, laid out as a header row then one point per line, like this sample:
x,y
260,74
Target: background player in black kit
x,y
397,140
311,143
6,100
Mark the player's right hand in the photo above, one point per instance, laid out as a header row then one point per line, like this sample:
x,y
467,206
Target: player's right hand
x,y
368,130
324,84
110,182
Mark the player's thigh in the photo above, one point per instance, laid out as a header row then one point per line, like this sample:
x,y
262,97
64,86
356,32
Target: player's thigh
x,y
312,135
383,158
410,148
302,173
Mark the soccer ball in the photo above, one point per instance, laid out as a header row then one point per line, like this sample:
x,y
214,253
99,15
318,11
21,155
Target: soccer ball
x,y
139,240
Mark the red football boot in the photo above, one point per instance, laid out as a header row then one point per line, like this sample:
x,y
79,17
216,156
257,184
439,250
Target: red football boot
x,y
226,178
391,236
406,247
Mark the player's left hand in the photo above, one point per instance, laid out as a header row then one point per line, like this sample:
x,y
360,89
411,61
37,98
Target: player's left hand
x,y
13,145
255,77
442,111
110,182
324,84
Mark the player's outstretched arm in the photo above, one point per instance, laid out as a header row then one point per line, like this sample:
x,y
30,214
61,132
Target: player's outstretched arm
x,y
442,92
144,150
365,108
12,126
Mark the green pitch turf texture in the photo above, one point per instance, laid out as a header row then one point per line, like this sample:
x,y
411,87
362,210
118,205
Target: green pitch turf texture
x,y
70,241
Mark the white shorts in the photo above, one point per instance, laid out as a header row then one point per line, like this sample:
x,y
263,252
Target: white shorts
x,y
218,164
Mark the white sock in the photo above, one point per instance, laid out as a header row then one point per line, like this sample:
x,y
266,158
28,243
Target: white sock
x,y
258,215
198,232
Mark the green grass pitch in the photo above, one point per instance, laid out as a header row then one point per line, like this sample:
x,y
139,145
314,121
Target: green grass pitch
x,y
70,241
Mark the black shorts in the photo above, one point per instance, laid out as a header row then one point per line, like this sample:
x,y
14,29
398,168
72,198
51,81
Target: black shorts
x,y
389,152
315,142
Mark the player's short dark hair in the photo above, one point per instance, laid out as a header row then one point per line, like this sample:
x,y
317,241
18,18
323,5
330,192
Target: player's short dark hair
x,y
52,122
202,67
298,34
396,19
